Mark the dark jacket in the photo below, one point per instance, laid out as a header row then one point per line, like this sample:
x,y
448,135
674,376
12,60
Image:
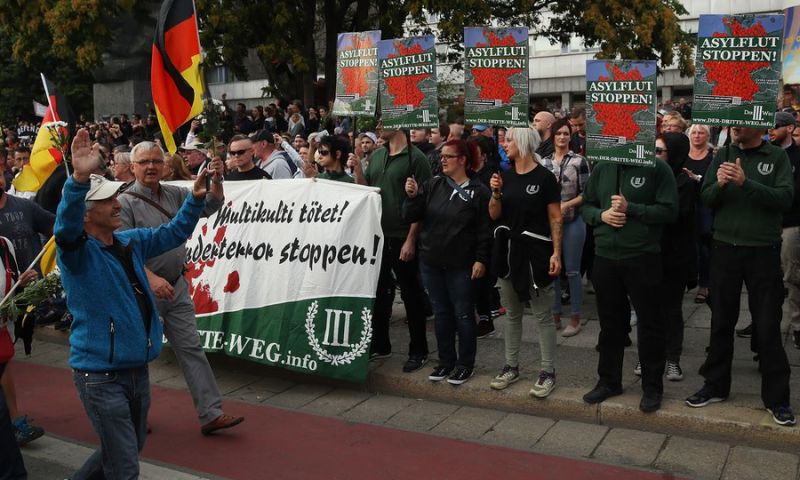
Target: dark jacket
x,y
453,232
678,245
652,203
750,215
791,218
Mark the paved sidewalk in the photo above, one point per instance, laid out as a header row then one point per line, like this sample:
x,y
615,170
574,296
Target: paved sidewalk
x,y
731,440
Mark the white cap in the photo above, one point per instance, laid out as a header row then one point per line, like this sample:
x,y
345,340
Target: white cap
x,y
102,188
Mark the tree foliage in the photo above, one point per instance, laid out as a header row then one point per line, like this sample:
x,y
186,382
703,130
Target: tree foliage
x,y
295,40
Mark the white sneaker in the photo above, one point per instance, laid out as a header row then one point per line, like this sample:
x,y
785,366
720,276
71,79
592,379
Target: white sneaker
x,y
544,384
505,378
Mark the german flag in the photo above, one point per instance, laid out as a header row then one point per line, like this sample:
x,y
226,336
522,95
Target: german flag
x,y
45,153
175,70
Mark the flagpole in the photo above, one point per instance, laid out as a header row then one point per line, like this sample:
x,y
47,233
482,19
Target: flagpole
x,y
55,118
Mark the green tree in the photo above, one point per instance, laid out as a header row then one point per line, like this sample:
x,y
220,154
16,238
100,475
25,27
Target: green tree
x,y
295,40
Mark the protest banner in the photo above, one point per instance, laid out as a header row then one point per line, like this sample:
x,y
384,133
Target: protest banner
x,y
357,74
738,70
791,46
285,275
621,111
408,83
496,76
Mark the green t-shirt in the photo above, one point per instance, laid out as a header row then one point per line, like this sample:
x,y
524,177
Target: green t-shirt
x,y
389,173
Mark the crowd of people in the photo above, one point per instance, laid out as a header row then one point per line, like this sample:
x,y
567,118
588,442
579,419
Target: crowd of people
x,y
479,222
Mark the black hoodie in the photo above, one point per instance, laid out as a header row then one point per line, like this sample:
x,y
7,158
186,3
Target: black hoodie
x,y
678,249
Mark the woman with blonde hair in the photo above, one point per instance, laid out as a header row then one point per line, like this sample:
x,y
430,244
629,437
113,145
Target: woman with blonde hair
x,y
526,204
700,155
175,169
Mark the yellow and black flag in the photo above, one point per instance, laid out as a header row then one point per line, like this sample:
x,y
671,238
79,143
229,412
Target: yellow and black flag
x,y
175,70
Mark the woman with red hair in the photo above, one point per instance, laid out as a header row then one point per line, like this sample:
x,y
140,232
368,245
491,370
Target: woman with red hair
x,y
454,249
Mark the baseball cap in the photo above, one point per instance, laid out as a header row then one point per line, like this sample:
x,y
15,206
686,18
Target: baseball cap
x,y
480,127
102,188
369,135
783,119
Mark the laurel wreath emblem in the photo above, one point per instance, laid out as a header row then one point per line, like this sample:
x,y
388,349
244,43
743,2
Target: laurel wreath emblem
x,y
344,358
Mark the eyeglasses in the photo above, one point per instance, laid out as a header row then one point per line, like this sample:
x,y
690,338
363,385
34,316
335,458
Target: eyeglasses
x,y
449,157
324,153
149,162
237,153
660,150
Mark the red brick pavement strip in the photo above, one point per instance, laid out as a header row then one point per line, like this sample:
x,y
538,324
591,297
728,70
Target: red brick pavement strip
x,y
275,443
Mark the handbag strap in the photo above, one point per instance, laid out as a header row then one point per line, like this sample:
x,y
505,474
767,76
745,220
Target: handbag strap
x,y
151,202
461,192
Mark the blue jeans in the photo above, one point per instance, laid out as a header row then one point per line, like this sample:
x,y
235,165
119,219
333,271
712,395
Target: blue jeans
x,y
450,291
571,251
116,403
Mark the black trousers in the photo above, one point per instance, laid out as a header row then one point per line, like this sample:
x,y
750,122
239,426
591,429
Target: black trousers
x,y
614,282
673,284
11,464
759,268
407,275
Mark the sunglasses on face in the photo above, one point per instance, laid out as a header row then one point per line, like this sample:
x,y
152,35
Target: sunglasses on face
x,y
324,153
660,150
237,153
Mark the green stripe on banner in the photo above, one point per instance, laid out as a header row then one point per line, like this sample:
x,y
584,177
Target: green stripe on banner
x,y
322,336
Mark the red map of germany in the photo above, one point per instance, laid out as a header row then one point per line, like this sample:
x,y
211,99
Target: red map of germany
x,y
405,90
617,118
355,78
735,78
493,82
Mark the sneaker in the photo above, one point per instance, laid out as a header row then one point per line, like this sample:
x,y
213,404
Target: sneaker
x,y
378,355
485,328
414,363
703,397
461,375
544,384
440,373
24,432
674,372
637,370
796,335
505,378
782,415
745,332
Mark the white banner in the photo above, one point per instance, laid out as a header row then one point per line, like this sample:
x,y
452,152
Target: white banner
x,y
281,241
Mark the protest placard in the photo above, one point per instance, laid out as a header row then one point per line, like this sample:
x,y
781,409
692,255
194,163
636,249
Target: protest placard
x,y
285,275
738,70
357,74
408,82
621,111
496,76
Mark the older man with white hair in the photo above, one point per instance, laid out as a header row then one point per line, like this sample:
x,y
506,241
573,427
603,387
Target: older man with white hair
x,y
149,203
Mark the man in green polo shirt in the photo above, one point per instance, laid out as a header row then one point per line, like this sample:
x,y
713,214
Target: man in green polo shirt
x,y
389,167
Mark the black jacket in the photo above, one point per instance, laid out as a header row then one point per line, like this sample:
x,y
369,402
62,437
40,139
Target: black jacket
x,y
678,240
453,232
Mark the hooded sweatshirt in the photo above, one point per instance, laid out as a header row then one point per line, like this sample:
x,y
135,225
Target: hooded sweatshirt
x,y
678,249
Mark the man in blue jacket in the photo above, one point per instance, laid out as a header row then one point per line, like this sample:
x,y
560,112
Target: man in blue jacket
x,y
116,330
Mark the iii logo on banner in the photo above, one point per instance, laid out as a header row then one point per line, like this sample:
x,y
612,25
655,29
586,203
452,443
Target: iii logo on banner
x,y
337,334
